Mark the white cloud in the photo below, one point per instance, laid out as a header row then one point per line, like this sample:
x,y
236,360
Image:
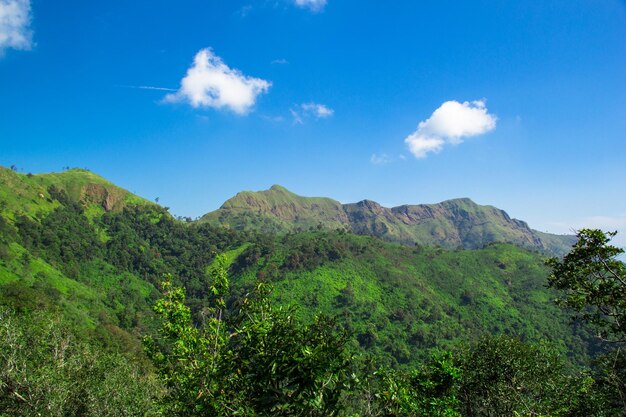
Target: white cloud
x,y
281,61
310,110
211,83
15,25
313,5
380,159
449,124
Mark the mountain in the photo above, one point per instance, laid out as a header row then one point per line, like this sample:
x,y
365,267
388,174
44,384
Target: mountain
x,y
75,243
30,194
52,247
450,224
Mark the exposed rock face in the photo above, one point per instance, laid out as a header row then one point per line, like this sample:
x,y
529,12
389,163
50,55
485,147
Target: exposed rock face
x,y
452,223
107,197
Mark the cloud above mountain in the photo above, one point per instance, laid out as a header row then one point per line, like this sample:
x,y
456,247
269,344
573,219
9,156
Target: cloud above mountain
x,y
209,82
449,125
15,32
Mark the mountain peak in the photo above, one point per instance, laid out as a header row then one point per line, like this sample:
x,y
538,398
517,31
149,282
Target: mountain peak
x,y
30,193
370,205
460,201
280,188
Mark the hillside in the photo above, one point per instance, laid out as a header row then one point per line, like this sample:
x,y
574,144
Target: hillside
x,y
63,246
76,242
403,303
30,194
450,224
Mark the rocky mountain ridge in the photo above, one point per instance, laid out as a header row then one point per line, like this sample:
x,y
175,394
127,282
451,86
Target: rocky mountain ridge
x,y
457,223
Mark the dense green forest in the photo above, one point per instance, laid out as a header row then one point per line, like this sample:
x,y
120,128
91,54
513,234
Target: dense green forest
x,y
126,310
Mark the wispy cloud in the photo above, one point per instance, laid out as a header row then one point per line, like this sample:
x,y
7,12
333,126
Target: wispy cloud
x,y
297,117
304,111
313,5
244,11
149,87
380,159
281,61
317,110
209,82
15,29
450,124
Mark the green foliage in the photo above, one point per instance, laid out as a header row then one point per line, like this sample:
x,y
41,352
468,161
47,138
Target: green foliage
x,y
609,373
593,283
502,376
428,392
147,241
261,362
404,303
187,357
65,235
46,370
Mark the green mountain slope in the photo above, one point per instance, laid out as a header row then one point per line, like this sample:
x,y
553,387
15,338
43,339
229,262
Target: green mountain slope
x,y
53,255
402,303
450,224
30,194
277,210
74,243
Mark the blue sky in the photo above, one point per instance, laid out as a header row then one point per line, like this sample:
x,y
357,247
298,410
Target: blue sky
x,y
521,105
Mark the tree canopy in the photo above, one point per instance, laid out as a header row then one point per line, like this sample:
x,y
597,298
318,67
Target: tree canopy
x,y
592,281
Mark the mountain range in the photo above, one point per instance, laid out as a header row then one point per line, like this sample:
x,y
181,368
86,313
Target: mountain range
x,y
450,224
76,243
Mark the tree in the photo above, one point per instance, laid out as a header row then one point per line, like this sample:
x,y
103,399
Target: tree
x,y
261,361
593,283
502,376
427,392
